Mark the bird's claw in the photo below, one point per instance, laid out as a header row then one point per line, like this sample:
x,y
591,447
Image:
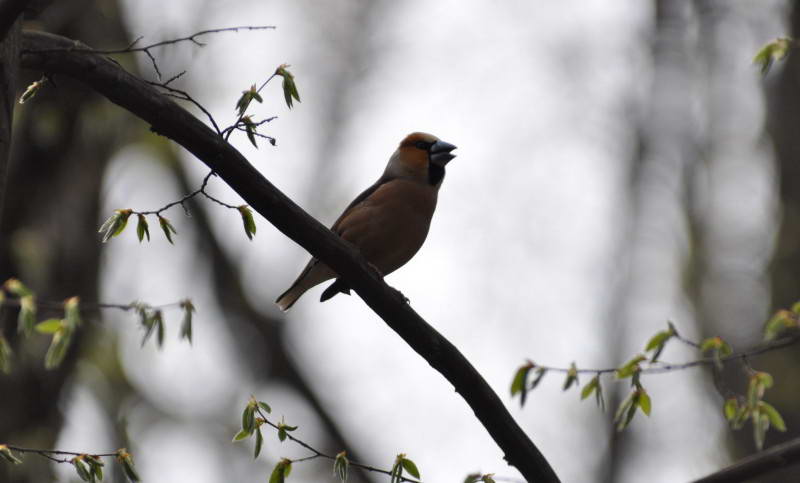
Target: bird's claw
x,y
378,270
402,297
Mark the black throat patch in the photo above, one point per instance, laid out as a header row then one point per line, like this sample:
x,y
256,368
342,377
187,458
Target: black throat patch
x,y
435,173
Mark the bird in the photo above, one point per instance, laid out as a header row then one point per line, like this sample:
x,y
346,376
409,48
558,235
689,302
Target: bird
x,y
389,221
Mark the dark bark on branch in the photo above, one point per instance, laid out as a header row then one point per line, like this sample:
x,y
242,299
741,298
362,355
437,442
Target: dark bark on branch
x,y
776,458
10,30
172,121
10,12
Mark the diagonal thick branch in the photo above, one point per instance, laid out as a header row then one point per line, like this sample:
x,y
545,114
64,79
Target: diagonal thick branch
x,y
758,465
174,122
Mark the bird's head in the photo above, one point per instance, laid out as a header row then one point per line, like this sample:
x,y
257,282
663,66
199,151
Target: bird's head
x,y
422,156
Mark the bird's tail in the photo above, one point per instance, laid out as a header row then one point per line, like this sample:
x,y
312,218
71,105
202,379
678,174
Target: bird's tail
x,y
289,297
314,274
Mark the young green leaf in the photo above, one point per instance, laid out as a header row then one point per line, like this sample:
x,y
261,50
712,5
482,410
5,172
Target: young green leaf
x,y
341,466
153,322
741,416
598,396
778,323
625,411
764,379
590,387
115,224
754,392
281,471
26,320
572,377
283,430
186,324
760,427
730,408
95,467
520,382
126,461
49,326
242,434
250,128
244,101
58,348
17,288
265,406
158,319
31,90
142,229
259,442
477,477
710,344
167,228
289,86
249,418
759,382
396,473
716,343
147,321
6,454
775,50
540,372
644,402
410,467
5,355
631,367
72,312
81,468
659,341
775,419
247,221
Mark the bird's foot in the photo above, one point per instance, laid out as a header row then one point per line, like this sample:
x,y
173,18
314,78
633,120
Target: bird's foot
x,y
377,270
401,296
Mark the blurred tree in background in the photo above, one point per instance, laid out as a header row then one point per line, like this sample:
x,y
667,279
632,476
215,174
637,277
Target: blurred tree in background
x,y
708,214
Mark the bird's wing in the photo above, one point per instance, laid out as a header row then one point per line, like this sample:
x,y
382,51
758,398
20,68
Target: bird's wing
x,y
363,196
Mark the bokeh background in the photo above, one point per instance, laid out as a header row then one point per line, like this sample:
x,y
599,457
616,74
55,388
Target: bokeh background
x,y
620,164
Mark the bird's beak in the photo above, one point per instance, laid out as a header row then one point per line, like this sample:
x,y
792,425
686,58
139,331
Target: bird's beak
x,y
440,152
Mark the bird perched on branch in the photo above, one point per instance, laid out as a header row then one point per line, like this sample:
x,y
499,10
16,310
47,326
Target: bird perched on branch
x,y
389,221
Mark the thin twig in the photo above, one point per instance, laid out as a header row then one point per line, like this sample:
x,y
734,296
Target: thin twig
x,y
48,453
319,454
51,305
191,38
686,341
199,191
226,133
661,367
183,95
80,48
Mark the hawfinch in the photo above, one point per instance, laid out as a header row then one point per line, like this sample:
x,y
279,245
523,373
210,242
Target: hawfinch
x,y
389,221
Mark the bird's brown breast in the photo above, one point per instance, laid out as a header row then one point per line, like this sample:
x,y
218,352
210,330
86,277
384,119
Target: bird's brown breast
x,y
391,224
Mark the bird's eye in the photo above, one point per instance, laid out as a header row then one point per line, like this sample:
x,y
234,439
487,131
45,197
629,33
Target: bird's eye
x,y
422,145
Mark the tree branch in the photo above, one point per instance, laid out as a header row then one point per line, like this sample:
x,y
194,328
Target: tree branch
x,y
759,464
10,11
10,28
661,367
172,121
